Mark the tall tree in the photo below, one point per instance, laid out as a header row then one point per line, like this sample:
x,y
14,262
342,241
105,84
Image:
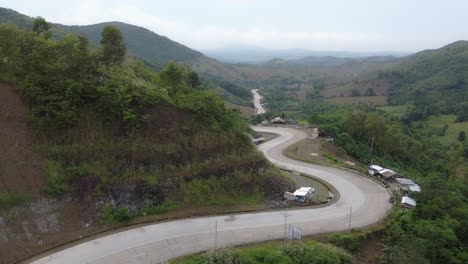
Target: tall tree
x,y
113,49
41,27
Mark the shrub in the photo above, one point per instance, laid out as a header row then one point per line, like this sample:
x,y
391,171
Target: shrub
x,y
221,256
349,242
112,216
11,199
56,180
316,253
164,207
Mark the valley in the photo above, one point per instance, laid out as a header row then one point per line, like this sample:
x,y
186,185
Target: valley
x,y
121,145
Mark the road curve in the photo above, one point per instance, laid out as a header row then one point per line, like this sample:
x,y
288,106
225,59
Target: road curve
x,y
163,241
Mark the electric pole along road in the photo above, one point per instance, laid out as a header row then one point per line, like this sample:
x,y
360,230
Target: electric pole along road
x,y
164,241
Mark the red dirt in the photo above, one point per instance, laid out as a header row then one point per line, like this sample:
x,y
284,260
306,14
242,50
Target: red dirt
x,y
19,161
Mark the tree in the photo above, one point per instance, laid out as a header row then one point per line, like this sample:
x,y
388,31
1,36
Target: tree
x,y
41,27
355,93
461,136
113,49
370,92
173,77
193,80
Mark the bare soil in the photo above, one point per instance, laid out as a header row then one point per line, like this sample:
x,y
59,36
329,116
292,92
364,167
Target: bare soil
x,y
42,222
21,166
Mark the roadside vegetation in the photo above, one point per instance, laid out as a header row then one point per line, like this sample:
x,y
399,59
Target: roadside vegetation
x,y
273,253
422,135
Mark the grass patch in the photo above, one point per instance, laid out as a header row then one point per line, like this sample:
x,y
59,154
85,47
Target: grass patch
x,y
443,128
321,190
57,182
272,253
268,136
375,100
11,199
397,111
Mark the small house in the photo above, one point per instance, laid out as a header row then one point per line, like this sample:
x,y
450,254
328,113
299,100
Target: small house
x,y
277,120
408,185
258,140
407,202
387,173
303,193
375,168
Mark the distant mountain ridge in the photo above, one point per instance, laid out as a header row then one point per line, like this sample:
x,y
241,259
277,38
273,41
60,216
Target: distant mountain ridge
x,y
259,55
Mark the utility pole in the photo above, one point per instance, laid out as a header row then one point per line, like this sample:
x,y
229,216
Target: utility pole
x,y
285,221
371,146
216,234
350,213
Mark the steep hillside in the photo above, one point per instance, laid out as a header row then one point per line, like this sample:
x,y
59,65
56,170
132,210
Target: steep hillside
x,y
20,164
91,141
141,42
434,80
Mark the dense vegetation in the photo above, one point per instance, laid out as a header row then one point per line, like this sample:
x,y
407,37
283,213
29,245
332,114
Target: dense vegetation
x,y
410,137
434,81
154,50
421,135
112,127
294,253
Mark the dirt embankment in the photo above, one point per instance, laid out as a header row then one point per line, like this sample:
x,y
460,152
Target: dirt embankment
x,y
20,164
42,222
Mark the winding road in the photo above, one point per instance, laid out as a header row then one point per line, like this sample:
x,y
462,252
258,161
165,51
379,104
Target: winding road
x,y
258,102
160,242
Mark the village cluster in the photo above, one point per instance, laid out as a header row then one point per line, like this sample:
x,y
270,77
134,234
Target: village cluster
x,y
402,186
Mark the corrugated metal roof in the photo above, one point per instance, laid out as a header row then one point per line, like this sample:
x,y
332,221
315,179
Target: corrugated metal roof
x,y
303,191
407,200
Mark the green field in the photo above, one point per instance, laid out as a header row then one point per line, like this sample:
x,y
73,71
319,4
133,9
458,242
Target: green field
x,y
376,100
395,110
434,124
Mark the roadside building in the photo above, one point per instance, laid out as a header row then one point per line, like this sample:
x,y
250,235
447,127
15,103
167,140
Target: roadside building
x,y
277,120
303,193
408,202
407,185
382,172
373,169
258,140
387,174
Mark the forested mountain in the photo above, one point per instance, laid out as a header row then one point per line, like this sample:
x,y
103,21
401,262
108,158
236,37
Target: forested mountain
x,y
435,81
154,49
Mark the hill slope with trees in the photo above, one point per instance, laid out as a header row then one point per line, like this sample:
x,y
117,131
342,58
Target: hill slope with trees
x,y
154,49
110,140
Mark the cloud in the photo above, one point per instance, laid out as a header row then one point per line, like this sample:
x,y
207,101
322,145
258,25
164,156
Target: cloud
x,y
205,37
273,24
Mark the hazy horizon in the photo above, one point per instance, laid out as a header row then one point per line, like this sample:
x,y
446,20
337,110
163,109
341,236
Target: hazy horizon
x,y
331,25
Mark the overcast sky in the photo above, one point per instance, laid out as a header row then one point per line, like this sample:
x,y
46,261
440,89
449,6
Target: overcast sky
x,y
332,25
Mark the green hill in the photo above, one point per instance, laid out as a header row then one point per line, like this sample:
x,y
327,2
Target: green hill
x,y
435,81
154,49
141,42
92,141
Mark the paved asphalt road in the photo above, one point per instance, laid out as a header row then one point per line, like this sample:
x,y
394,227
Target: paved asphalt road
x,y
257,102
163,241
